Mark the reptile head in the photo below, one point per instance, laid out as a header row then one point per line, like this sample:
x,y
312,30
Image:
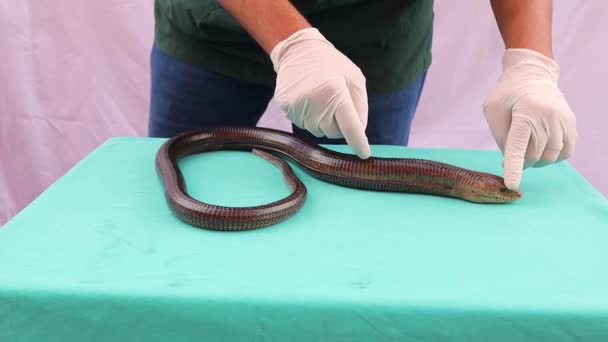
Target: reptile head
x,y
492,189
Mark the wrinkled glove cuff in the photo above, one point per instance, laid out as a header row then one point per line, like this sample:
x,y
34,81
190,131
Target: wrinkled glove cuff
x,y
531,61
309,33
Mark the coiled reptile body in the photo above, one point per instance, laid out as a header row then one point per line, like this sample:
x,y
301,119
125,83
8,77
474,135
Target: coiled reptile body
x,y
407,175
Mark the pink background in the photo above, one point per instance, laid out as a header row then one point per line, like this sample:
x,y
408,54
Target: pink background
x,y
75,73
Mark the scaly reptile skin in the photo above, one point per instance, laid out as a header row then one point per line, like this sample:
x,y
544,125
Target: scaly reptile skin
x,y
375,173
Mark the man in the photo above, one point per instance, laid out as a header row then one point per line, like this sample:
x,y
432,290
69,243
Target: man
x,y
348,71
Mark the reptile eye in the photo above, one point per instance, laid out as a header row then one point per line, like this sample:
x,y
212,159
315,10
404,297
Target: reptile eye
x,y
503,189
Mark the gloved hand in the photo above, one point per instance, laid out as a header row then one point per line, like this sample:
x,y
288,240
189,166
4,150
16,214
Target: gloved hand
x,y
320,89
528,115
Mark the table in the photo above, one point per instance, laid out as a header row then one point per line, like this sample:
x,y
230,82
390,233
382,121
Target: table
x,y
99,257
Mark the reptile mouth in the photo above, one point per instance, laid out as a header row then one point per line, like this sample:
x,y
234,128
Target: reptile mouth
x,y
504,195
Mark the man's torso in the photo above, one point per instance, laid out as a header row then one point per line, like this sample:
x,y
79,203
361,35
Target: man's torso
x,y
390,40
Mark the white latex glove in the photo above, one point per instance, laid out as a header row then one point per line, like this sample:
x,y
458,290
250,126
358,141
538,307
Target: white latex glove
x,y
528,114
320,89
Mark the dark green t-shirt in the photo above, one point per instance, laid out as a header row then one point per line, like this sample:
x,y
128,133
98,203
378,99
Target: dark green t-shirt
x,y
390,40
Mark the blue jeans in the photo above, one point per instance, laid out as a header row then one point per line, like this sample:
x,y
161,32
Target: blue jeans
x,y
184,97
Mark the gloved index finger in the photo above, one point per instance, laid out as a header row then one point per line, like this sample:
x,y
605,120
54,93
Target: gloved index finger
x,y
359,96
515,151
352,129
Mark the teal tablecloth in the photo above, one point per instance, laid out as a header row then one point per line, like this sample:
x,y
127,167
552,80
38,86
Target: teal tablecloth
x,y
99,257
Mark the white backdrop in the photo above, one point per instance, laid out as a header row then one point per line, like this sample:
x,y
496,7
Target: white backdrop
x,y
75,73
